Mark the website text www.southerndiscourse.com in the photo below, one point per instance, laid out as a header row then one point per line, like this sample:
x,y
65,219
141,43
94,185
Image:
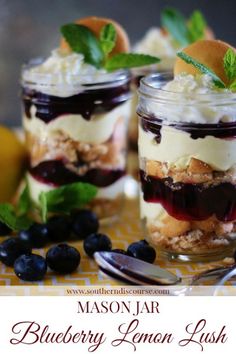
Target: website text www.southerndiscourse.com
x,y
129,291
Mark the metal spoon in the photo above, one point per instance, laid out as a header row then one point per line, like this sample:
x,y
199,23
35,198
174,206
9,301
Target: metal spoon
x,y
215,276
135,270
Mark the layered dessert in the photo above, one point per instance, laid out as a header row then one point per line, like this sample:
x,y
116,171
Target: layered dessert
x,y
187,151
163,42
76,107
77,136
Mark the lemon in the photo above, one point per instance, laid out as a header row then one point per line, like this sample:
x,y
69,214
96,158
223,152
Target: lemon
x,y
13,159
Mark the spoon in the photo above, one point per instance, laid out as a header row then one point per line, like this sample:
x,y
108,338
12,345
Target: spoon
x,y
135,270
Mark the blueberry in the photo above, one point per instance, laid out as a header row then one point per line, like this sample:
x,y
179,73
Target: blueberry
x,y
95,243
4,229
30,267
37,235
11,249
119,251
142,250
59,228
84,223
63,258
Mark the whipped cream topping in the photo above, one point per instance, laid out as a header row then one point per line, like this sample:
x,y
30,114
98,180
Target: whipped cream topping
x,y
62,74
160,44
193,99
189,84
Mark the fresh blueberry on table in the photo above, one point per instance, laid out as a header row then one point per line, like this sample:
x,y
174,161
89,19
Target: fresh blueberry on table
x,y
63,258
97,242
142,250
59,228
4,229
84,223
11,249
37,235
30,267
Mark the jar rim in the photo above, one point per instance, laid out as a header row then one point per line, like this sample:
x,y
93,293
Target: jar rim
x,y
151,86
88,81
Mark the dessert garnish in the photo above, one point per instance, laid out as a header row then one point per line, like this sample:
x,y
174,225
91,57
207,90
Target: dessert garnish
x,y
59,200
11,249
142,250
221,68
31,267
10,217
66,198
98,47
96,24
84,223
96,243
185,31
63,259
4,229
37,235
59,228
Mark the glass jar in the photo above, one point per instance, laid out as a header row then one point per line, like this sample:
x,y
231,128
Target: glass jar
x,y
133,164
76,132
187,170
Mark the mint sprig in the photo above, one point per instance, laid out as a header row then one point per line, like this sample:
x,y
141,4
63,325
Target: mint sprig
x,y
82,40
66,198
129,60
202,68
24,203
232,86
196,26
108,38
184,31
230,67
9,217
175,23
95,51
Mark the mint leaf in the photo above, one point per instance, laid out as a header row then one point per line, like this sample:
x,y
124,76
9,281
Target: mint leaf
x,y
24,203
66,198
108,38
196,26
82,40
232,87
9,217
129,60
230,64
175,23
202,68
43,206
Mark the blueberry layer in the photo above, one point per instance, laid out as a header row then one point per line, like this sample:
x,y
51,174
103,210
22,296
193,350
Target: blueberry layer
x,y
196,131
55,173
85,103
189,201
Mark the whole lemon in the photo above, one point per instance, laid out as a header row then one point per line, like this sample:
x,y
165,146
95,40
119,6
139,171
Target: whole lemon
x,y
13,159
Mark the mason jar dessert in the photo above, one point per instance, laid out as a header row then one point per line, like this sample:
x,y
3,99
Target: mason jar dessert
x,y
187,151
76,106
163,42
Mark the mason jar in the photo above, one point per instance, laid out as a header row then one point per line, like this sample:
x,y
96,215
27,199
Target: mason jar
x,y
187,156
76,132
137,75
